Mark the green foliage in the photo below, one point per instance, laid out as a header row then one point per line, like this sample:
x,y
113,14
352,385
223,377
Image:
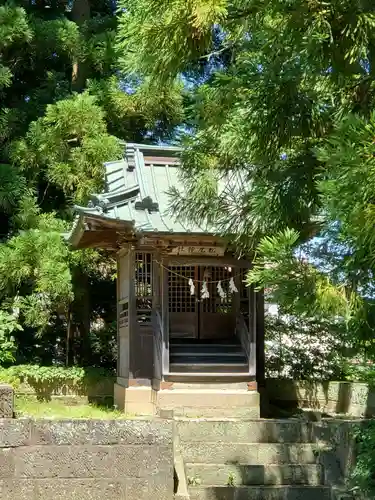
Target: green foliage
x,y
149,109
70,144
144,25
359,371
8,325
64,107
285,106
46,379
363,475
306,291
34,268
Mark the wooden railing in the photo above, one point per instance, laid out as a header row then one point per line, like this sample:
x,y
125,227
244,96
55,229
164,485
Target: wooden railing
x,y
157,329
247,342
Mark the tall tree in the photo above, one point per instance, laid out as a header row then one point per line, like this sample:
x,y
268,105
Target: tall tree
x,y
64,105
285,103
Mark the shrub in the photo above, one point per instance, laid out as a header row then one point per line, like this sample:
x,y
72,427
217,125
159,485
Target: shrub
x,y
46,380
8,325
303,349
363,475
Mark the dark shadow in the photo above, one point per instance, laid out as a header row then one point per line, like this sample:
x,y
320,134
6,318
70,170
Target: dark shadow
x,y
344,397
175,481
370,403
96,385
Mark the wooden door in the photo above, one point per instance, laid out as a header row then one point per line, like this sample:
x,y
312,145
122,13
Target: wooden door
x,y
216,316
183,306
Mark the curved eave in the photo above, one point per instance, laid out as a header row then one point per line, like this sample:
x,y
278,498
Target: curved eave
x,y
97,231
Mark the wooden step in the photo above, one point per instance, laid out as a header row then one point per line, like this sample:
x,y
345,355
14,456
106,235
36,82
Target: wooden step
x,y
206,348
222,368
203,358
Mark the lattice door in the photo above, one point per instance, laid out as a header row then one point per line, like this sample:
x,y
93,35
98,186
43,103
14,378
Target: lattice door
x,y
217,318
183,306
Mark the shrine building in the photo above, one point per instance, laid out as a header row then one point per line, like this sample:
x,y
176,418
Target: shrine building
x,y
190,333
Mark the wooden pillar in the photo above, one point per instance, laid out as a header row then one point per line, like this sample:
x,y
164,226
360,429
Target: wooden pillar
x,y
260,354
132,393
165,314
132,311
123,316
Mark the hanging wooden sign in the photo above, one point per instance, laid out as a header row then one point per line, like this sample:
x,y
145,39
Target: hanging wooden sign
x,y
198,250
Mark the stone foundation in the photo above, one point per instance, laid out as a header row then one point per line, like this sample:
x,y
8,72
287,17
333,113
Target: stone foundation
x,y
86,460
137,400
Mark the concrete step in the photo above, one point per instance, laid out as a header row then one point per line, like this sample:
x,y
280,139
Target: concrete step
x,y
253,431
261,493
247,453
254,475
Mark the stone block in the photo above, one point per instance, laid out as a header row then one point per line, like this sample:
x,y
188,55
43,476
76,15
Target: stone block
x,y
92,461
14,432
7,466
79,489
255,454
207,399
137,489
6,401
15,489
102,432
261,493
252,475
245,431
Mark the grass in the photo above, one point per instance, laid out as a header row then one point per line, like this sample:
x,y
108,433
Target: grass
x,y
59,409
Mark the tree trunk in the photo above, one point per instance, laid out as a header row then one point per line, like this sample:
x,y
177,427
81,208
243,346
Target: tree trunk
x,y
81,318
80,15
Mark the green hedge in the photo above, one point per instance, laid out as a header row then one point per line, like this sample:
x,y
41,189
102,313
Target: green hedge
x,y
47,380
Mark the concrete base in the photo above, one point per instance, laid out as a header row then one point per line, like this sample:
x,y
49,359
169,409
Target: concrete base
x,y
210,403
192,401
135,400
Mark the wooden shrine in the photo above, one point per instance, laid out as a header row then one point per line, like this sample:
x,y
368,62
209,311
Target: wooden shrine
x,y
185,317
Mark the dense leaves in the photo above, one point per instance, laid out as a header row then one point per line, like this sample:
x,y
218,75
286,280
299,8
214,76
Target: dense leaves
x,y
64,109
285,104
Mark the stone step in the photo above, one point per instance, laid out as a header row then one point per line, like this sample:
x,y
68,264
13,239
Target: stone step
x,y
193,412
261,493
255,431
247,453
254,475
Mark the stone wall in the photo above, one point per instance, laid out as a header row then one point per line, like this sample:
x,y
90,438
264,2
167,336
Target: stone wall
x,y
350,398
86,460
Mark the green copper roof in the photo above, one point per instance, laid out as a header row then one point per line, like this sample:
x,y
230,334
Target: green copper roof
x,y
137,191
